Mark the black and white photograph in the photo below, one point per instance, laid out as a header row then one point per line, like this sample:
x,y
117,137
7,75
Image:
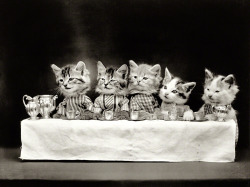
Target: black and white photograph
x,y
137,93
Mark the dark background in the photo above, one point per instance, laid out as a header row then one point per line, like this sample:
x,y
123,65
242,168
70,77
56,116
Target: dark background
x,y
185,36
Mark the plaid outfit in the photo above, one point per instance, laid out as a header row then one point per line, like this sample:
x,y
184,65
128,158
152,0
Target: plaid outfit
x,y
181,109
111,102
143,102
79,103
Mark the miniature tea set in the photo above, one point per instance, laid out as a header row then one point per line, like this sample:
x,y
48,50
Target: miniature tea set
x,y
40,104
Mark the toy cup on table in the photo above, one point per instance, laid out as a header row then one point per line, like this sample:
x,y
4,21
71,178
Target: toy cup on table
x,y
166,115
134,115
220,112
72,114
33,106
109,115
47,105
173,115
198,116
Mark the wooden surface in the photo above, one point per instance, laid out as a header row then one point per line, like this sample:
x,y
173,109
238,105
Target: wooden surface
x,y
11,167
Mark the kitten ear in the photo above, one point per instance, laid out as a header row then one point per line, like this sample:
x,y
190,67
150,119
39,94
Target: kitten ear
x,y
188,87
208,74
100,67
123,71
132,64
55,68
168,75
230,79
80,67
156,69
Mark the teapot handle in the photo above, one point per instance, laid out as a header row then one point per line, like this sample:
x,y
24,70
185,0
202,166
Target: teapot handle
x,y
28,98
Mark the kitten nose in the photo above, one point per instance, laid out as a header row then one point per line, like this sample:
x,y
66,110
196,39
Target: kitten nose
x,y
65,85
210,96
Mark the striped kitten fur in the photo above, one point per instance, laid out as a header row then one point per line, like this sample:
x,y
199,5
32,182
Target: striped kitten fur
x,y
72,79
112,87
144,81
143,78
176,91
73,82
111,80
219,90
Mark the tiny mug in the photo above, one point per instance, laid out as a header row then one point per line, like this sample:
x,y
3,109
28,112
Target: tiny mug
x,y
71,114
197,116
109,115
134,115
166,116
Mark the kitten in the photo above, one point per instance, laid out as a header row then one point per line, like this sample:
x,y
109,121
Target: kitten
x,y
112,87
73,82
174,94
144,81
218,91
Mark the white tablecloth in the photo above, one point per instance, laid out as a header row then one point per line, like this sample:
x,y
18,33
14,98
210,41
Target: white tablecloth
x,y
174,141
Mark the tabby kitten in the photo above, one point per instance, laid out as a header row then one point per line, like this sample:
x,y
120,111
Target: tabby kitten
x,y
174,94
219,91
112,87
144,81
73,82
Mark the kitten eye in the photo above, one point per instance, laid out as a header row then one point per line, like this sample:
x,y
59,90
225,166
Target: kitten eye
x,y
207,89
102,79
165,87
174,91
135,77
71,79
60,80
145,78
217,91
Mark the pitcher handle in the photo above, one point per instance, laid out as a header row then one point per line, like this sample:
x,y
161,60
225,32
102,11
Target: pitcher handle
x,y
28,98
55,97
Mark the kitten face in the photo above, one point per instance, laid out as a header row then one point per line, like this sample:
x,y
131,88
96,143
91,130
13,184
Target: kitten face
x,y
174,90
112,81
219,89
72,79
144,78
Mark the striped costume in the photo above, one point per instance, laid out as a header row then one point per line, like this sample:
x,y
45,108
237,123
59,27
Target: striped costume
x,y
143,102
79,103
115,103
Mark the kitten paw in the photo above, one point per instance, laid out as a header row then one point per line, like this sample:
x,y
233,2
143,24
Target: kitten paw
x,y
87,115
210,117
59,116
188,115
124,115
97,116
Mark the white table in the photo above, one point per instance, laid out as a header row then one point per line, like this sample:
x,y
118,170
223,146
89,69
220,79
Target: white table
x,y
167,141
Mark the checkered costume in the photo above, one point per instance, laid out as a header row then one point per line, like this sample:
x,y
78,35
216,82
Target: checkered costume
x,y
143,102
79,103
111,102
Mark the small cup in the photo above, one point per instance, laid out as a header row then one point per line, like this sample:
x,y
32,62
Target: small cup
x,y
71,114
134,115
166,117
197,116
109,115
